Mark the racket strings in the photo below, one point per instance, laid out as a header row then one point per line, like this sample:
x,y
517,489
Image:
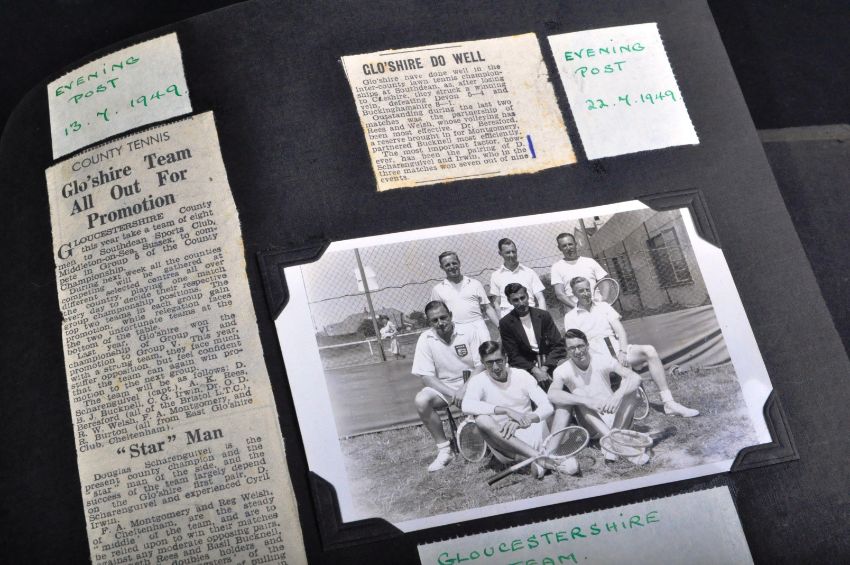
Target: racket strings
x,y
630,438
570,441
618,449
471,442
608,290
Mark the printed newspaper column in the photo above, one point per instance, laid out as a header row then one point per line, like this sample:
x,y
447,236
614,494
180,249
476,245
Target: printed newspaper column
x,y
178,443
461,110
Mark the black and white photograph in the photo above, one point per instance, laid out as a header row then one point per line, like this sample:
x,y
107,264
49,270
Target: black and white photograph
x,y
457,372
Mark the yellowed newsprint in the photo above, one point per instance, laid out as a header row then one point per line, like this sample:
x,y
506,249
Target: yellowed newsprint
x,y
461,110
178,444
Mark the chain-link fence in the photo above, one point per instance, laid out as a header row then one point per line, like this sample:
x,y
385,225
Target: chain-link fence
x,y
648,252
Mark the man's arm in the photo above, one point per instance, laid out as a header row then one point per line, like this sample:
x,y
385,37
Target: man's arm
x,y
541,300
630,380
495,293
511,345
541,400
562,296
599,271
438,385
473,400
537,289
629,384
552,336
484,303
490,312
622,339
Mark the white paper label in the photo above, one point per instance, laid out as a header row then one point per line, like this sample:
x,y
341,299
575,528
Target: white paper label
x,y
622,90
127,89
695,528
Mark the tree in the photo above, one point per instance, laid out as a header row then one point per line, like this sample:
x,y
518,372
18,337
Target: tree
x,y
418,319
366,329
549,291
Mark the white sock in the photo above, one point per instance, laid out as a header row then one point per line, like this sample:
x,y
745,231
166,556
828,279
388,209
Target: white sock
x,y
444,445
667,396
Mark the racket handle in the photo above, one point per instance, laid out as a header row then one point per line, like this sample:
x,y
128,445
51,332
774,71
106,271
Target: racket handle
x,y
541,360
510,470
453,429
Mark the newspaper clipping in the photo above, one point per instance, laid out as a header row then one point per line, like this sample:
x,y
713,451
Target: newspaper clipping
x,y
461,110
178,444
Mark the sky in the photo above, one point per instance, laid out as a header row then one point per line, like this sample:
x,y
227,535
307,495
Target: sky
x,y
406,272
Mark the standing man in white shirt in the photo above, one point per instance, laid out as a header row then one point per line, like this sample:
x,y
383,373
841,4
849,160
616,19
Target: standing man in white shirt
x,y
501,399
465,298
512,272
571,266
607,338
443,353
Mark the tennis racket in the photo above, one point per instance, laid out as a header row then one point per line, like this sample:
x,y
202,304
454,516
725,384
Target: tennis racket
x,y
567,442
452,430
453,442
607,290
470,441
642,409
627,443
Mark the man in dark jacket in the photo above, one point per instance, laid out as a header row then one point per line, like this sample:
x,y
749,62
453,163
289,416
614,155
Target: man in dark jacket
x,y
530,339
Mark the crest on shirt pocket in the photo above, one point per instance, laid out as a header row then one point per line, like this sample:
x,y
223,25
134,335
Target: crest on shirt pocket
x,y
461,350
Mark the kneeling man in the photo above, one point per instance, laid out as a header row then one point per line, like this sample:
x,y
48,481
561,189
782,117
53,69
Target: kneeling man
x,y
584,383
443,354
501,399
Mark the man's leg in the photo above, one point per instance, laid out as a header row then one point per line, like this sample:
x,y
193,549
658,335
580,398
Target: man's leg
x,y
561,419
640,354
512,447
625,414
592,421
623,420
428,401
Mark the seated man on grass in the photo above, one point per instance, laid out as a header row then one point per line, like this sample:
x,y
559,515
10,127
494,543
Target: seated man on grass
x,y
583,383
501,399
607,337
443,353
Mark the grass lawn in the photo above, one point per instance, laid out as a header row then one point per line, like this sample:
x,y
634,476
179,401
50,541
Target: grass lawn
x,y
388,476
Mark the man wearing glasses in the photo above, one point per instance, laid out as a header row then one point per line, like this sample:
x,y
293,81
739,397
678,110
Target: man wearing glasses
x,y
607,336
584,383
501,399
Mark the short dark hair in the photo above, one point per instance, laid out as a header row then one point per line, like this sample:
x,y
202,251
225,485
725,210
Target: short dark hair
x,y
573,333
434,304
575,280
446,254
563,235
513,288
489,347
505,241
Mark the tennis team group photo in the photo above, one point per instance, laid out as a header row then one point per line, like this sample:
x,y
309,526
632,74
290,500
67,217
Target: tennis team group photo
x,y
471,367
